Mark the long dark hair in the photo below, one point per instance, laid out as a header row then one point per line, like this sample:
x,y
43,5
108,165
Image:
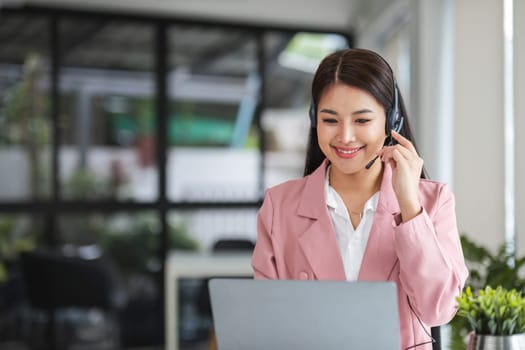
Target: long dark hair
x,y
365,70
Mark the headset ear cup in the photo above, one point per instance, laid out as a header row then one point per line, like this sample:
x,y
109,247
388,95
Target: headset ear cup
x,y
394,122
313,115
399,123
395,119
389,122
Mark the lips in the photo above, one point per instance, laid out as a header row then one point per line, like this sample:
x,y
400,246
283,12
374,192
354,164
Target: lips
x,y
347,153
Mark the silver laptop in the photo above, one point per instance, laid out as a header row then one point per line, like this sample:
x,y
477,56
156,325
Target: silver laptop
x,y
304,315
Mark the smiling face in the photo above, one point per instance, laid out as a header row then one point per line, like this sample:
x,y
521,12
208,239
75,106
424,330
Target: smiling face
x,y
350,128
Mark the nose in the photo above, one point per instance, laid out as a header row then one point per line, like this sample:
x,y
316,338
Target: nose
x,y
346,133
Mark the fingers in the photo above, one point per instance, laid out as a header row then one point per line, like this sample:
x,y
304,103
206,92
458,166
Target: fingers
x,y
404,146
399,154
403,141
388,151
401,159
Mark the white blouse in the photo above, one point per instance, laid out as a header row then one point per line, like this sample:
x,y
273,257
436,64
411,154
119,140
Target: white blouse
x,y
352,241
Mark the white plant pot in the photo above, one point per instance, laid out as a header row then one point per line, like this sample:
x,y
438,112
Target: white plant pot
x,y
496,342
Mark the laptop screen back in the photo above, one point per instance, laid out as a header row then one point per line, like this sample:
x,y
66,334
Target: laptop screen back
x,y
285,314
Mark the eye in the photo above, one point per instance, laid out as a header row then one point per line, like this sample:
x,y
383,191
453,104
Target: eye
x,y
362,121
329,120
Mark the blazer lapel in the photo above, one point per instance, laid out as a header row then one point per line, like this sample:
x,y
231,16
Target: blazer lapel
x,y
380,256
318,242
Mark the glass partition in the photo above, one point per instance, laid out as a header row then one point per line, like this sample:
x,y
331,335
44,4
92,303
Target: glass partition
x,y
214,89
107,110
200,230
25,130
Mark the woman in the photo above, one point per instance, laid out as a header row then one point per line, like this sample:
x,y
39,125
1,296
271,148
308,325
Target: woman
x,y
364,210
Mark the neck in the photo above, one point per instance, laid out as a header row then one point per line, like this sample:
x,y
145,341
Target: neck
x,y
362,184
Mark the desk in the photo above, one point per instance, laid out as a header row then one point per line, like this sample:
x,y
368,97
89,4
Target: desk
x,y
194,265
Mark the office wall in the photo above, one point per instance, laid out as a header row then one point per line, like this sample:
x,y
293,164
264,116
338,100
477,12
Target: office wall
x,y
433,82
519,84
478,120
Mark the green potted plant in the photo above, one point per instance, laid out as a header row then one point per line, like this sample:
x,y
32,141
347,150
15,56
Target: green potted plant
x,y
486,268
496,317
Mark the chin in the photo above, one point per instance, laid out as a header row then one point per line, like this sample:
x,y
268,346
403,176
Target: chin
x,y
347,169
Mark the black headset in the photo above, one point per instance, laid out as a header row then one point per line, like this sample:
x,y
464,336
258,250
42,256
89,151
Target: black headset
x,y
394,120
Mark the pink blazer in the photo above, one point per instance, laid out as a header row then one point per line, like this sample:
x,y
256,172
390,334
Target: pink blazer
x,y
296,240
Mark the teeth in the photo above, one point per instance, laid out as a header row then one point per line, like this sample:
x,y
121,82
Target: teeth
x,y
348,151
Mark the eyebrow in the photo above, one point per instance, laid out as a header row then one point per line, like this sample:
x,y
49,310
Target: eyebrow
x,y
361,111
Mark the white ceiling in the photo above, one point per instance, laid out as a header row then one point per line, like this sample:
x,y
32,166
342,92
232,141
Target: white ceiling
x,y
311,14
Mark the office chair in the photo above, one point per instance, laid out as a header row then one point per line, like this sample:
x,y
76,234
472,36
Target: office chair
x,y
233,245
55,282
